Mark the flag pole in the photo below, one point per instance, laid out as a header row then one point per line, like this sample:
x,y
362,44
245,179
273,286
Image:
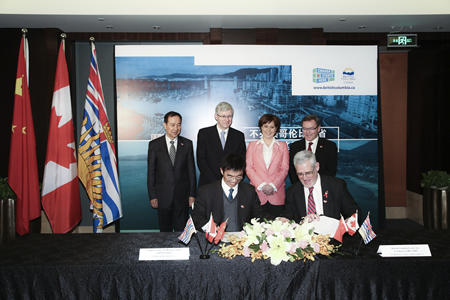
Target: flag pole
x,y
198,241
196,237
360,242
352,240
63,40
25,52
210,248
206,243
25,42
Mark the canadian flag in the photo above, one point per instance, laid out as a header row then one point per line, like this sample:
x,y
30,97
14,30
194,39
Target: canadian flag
x,y
60,189
352,224
210,229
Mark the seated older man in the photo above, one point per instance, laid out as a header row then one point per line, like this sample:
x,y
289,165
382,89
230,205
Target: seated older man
x,y
316,195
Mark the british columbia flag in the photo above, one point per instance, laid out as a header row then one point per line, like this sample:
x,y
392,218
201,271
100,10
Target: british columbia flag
x,y
97,164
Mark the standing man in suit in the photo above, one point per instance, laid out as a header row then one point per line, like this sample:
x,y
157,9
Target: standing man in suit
x,y
228,198
215,142
316,194
171,180
325,151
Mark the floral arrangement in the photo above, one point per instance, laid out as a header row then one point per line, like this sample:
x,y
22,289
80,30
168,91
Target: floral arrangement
x,y
278,241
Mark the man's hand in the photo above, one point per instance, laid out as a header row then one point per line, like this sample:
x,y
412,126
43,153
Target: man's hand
x,y
154,203
282,219
191,200
311,217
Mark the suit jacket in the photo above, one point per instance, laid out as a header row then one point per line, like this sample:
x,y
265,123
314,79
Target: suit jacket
x,y
336,199
210,152
171,183
210,200
326,155
258,173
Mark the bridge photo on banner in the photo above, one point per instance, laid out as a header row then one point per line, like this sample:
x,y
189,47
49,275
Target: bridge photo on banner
x,y
336,83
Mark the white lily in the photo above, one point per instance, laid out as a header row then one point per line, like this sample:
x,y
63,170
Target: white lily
x,y
302,232
278,249
253,231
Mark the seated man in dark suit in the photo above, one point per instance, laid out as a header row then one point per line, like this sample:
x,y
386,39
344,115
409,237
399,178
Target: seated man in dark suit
x,y
215,142
316,194
228,198
325,150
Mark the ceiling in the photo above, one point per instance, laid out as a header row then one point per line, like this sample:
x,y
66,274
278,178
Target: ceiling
x,y
203,23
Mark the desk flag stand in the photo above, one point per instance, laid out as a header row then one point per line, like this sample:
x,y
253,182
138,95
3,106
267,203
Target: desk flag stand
x,y
366,232
212,235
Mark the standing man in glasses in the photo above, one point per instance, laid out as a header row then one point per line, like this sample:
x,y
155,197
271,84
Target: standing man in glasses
x,y
215,142
228,198
325,150
316,194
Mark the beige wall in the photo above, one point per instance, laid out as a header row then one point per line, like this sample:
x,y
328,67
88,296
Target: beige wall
x,y
230,7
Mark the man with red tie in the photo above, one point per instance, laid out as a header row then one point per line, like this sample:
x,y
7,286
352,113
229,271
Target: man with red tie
x,y
325,150
316,194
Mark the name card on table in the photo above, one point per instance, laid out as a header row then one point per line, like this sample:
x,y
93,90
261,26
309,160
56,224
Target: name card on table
x,y
404,250
164,253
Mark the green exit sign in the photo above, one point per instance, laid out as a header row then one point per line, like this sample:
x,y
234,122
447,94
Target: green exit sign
x,y
402,40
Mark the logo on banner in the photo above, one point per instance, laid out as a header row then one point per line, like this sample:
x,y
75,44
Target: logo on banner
x,y
348,76
323,75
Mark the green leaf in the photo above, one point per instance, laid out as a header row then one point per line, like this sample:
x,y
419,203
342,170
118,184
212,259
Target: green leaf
x,y
255,248
300,253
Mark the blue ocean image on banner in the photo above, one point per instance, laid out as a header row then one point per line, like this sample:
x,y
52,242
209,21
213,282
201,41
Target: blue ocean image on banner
x,y
149,87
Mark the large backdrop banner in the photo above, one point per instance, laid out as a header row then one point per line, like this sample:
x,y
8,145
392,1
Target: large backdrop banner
x,y
337,83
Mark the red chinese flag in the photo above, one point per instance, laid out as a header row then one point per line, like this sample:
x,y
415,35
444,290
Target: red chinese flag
x,y
22,173
60,189
220,232
342,228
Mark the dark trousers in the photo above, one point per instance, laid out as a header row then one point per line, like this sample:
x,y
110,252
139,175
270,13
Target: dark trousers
x,y
274,210
172,218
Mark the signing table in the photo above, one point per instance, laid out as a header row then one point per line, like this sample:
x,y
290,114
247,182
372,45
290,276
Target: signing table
x,y
106,266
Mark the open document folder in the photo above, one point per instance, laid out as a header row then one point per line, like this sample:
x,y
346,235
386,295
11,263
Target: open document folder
x,y
326,225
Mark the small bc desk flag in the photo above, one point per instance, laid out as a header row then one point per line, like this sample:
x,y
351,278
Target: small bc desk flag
x,y
366,231
189,229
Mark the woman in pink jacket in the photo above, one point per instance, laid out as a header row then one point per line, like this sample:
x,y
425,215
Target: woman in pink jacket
x,y
268,165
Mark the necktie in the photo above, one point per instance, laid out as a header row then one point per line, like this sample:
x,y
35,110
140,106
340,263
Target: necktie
x,y
309,147
230,195
172,153
222,139
311,203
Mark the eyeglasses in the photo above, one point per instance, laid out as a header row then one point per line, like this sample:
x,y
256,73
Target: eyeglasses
x,y
306,174
309,129
225,117
238,178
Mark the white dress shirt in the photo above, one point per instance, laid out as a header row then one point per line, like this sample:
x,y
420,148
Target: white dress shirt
x,y
219,131
226,189
175,142
267,154
313,146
